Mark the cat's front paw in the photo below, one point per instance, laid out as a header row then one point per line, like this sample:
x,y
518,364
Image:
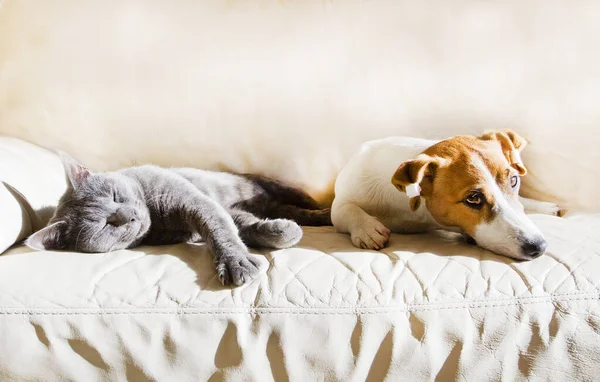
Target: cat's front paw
x,y
279,233
236,269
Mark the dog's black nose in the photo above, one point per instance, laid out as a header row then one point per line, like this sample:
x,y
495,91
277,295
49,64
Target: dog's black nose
x,y
534,248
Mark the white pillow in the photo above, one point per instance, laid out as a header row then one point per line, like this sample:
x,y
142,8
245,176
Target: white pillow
x,y
32,180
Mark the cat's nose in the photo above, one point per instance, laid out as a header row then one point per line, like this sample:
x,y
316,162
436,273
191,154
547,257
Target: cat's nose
x,y
117,220
122,217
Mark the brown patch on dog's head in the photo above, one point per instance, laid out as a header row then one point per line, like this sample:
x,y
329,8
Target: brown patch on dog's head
x,y
473,183
512,144
453,175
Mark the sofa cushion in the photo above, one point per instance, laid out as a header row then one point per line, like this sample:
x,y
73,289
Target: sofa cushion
x,y
426,306
32,181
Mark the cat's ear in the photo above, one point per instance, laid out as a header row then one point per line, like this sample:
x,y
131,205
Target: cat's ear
x,y
51,237
76,172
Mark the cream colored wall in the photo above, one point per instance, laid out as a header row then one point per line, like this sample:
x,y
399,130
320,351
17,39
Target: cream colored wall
x,y
290,89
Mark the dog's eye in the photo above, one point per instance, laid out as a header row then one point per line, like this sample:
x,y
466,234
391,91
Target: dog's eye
x,y
514,181
474,200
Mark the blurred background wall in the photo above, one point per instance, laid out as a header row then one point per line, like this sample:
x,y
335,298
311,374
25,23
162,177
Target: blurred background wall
x,y
291,88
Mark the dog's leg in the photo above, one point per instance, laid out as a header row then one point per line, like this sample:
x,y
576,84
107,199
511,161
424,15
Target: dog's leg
x,y
365,231
536,207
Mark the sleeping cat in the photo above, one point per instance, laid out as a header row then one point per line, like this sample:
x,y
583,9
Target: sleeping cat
x,y
102,212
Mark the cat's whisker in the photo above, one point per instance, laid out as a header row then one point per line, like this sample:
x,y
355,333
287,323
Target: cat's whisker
x,y
94,234
77,239
149,192
155,197
67,201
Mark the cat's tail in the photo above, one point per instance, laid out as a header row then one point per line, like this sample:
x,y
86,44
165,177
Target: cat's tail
x,y
271,209
283,192
301,216
287,202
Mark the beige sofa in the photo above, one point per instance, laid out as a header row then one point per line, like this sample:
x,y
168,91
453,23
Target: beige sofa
x,y
290,89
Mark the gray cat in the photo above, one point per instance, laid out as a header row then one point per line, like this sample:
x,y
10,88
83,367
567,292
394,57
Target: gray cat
x,y
150,205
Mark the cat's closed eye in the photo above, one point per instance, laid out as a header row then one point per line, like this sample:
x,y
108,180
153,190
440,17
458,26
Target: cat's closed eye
x,y
117,198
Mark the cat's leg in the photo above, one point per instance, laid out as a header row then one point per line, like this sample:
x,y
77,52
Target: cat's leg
x,y
217,228
270,233
533,206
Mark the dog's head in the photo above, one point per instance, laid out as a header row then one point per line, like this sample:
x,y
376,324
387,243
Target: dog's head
x,y
473,183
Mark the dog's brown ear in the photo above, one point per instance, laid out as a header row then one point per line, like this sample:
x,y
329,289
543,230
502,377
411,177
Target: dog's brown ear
x,y
411,172
512,144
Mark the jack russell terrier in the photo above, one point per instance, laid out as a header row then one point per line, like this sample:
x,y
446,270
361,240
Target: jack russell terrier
x,y
468,184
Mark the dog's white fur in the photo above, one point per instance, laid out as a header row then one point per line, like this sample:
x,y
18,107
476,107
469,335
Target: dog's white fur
x,y
368,206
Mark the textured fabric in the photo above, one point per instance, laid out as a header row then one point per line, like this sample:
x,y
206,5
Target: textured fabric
x,y
428,306
32,180
292,88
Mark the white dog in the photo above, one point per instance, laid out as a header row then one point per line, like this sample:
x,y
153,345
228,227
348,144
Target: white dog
x,y
468,184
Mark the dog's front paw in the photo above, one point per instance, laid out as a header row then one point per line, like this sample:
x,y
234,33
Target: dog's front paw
x,y
372,235
546,208
236,269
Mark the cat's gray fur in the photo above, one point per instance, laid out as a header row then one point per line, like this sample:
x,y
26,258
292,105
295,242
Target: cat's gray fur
x,y
151,205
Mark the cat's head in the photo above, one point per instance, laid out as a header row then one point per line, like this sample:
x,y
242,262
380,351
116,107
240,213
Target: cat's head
x,y
100,212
